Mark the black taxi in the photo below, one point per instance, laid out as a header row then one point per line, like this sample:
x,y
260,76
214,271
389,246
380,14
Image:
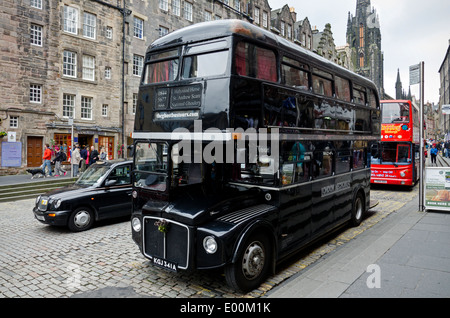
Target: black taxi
x,y
102,192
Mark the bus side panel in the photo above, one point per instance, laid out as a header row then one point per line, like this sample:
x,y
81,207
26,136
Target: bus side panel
x,y
295,218
322,216
344,196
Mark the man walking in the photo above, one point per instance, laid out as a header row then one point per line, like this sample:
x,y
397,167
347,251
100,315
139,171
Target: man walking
x,y
47,160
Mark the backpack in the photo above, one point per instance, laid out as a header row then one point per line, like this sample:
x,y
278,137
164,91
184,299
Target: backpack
x,y
63,156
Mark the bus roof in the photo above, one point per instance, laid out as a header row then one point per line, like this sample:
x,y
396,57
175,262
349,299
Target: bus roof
x,y
221,28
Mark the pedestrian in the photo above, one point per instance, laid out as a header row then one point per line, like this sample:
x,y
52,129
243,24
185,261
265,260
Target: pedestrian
x,y
76,157
103,155
83,154
59,158
47,160
93,157
433,153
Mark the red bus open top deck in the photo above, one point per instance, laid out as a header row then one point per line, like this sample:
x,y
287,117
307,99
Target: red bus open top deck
x,y
395,159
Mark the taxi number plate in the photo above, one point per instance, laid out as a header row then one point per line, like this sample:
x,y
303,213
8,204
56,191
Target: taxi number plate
x,y
165,264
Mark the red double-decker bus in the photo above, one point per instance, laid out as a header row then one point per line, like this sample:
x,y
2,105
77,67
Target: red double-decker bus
x,y
395,160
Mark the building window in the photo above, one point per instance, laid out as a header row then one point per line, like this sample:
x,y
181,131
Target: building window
x,y
89,25
36,34
35,93
138,63
163,31
107,72
265,19
361,35
283,33
164,5
13,122
361,60
88,67
86,107
68,105
289,31
237,5
36,4
256,16
105,110
70,64
208,16
70,20
135,98
176,7
188,11
138,28
109,32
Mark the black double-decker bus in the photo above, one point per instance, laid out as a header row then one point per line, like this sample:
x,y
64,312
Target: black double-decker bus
x,y
247,148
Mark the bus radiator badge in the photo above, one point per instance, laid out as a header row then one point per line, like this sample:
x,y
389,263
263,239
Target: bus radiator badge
x,y
163,226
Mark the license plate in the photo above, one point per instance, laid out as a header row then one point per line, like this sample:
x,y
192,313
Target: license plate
x,y
40,217
165,264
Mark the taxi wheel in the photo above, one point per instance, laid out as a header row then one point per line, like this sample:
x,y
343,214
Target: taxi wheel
x,y
81,219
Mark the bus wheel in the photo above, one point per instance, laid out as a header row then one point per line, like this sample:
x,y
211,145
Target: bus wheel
x,y
357,209
81,219
252,264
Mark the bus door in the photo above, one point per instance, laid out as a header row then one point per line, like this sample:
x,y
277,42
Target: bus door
x,y
323,188
295,195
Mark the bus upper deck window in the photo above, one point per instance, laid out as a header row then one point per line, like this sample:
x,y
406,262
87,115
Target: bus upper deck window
x,y
207,64
255,61
162,71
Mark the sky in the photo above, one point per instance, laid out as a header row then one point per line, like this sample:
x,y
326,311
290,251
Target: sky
x,y
412,31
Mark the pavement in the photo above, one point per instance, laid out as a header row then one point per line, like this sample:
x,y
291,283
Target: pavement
x,y
26,178
406,255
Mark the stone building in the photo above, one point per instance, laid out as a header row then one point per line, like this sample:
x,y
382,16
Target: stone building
x,y
364,39
323,44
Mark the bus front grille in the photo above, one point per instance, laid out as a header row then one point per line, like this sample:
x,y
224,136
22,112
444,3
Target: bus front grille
x,y
171,245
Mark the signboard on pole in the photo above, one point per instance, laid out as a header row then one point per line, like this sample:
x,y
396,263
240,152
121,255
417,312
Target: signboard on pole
x,y
437,188
414,74
446,109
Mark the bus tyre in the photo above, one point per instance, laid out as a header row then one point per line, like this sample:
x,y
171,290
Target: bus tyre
x,y
357,209
81,219
252,264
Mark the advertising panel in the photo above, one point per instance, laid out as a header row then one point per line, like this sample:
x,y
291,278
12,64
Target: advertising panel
x,y
437,188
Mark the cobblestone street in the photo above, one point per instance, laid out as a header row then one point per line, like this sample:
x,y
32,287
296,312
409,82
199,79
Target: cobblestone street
x,y
38,261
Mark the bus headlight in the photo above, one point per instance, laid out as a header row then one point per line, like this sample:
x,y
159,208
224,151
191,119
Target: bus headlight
x,y
210,244
136,224
403,174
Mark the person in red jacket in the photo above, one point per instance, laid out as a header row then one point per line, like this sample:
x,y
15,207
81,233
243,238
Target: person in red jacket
x,y
47,160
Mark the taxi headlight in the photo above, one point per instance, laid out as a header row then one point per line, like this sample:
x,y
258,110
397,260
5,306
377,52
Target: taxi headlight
x,y
210,244
57,203
136,224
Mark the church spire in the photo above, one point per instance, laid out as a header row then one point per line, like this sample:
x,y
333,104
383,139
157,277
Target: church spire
x,y
398,87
